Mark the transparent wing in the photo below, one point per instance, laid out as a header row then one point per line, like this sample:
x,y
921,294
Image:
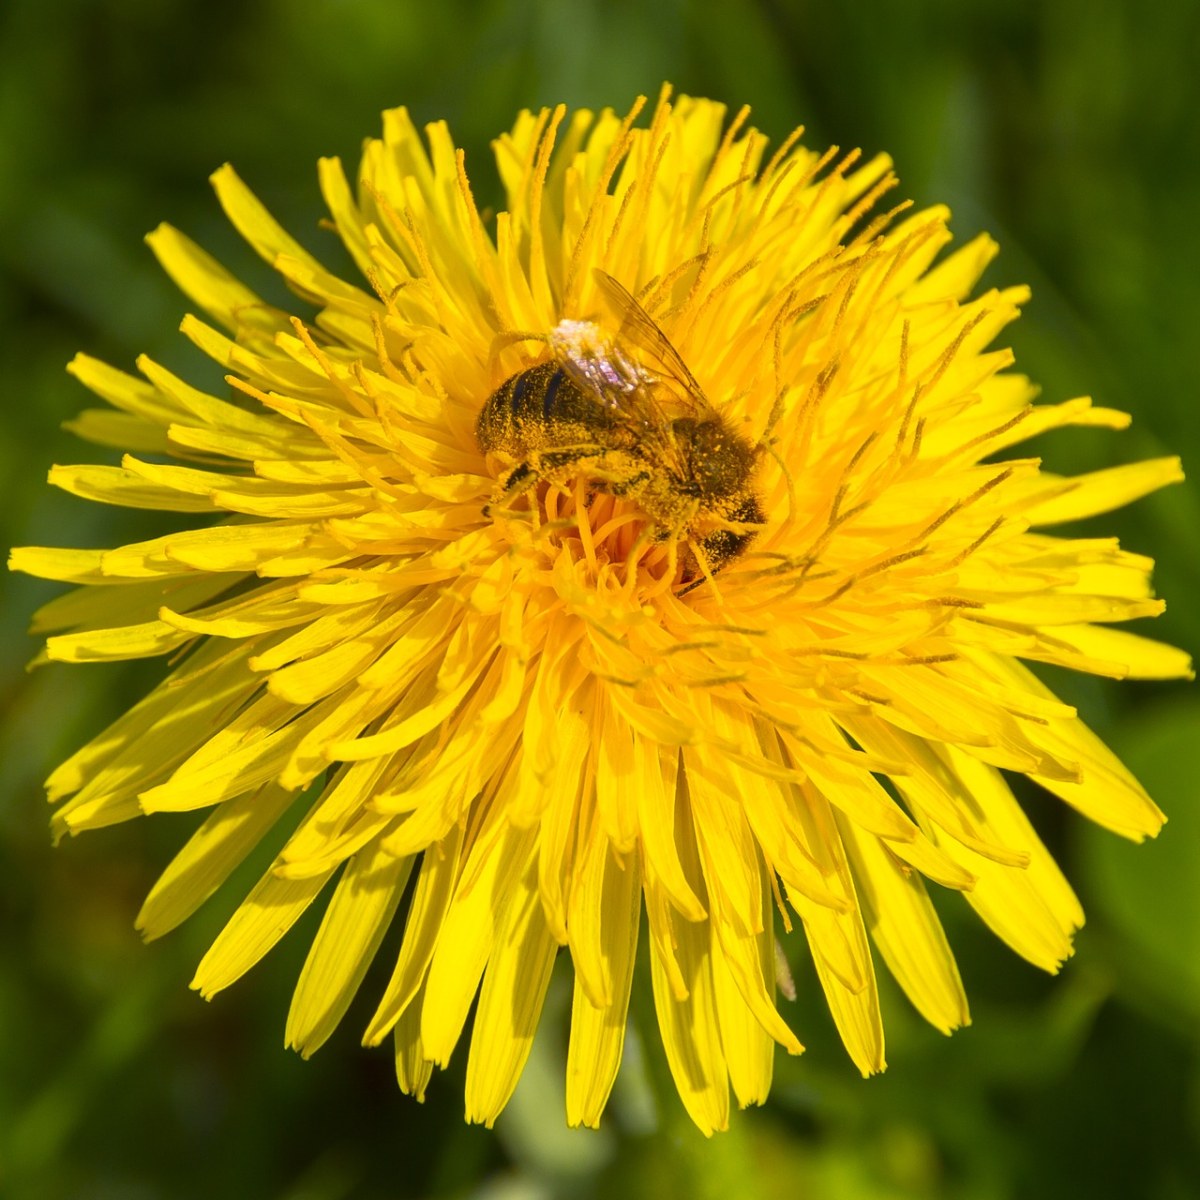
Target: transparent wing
x,y
592,360
595,362
638,327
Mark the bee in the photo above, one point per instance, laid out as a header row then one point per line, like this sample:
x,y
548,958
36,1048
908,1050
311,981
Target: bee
x,y
641,429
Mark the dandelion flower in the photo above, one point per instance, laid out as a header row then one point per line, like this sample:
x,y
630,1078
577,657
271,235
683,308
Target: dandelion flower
x,y
514,725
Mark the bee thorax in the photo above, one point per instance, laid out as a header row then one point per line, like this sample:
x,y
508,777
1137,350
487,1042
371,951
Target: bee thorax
x,y
593,415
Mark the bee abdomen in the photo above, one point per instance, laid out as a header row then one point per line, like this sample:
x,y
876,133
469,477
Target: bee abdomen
x,y
723,545
538,406
533,392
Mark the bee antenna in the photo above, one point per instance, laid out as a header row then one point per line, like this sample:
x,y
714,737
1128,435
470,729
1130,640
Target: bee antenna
x,y
510,337
772,419
769,446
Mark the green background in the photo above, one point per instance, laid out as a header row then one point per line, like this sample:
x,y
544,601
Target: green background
x,y
1067,129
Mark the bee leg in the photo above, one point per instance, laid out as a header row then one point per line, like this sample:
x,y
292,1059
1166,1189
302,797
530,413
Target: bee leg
x,y
555,460
624,486
723,545
519,480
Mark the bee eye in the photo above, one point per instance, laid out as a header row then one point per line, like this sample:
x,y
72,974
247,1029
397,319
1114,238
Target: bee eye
x,y
712,472
716,461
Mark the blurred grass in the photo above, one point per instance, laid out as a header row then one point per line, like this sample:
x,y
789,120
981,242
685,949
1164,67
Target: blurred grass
x,y
1068,130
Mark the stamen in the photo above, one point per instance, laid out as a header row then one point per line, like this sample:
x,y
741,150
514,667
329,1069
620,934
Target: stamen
x,y
639,193
964,502
966,553
730,135
600,193
864,205
999,430
538,279
844,487
352,398
785,148
893,561
381,351
871,231
479,235
947,355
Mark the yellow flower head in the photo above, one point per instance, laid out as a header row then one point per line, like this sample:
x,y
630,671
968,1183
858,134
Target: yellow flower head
x,y
723,618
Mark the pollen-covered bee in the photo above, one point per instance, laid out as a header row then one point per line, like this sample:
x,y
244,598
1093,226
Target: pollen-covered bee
x,y
642,430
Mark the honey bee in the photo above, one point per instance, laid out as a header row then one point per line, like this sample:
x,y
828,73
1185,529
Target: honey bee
x,y
641,430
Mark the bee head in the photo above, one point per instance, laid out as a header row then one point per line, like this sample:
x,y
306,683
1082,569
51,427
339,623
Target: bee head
x,y
717,462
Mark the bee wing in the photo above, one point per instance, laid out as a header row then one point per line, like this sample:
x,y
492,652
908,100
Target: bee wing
x,y
592,362
640,328
597,364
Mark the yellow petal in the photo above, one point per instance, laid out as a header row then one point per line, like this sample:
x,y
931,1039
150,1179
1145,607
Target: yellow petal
x,y
209,857
435,884
1113,652
689,1025
115,645
1102,491
67,566
120,431
264,233
113,485
598,1031
123,391
128,602
1107,792
749,1048
413,1069
510,1003
150,739
1033,908
494,865
657,771
336,190
201,277
849,985
270,910
690,1029
250,750
358,916
905,928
